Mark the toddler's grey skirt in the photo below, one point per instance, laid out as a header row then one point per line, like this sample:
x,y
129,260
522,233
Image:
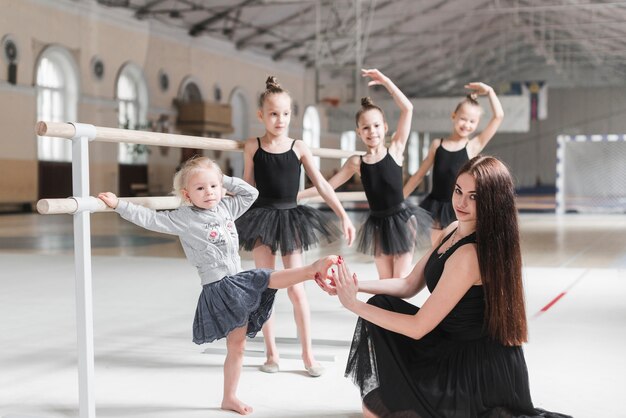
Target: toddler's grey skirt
x,y
233,302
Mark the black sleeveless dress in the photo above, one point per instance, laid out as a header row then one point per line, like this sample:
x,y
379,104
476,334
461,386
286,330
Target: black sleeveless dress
x,y
393,226
445,168
455,371
275,219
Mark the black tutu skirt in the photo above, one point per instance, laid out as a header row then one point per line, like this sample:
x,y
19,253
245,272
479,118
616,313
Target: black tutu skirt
x,y
288,230
437,376
231,303
441,211
395,231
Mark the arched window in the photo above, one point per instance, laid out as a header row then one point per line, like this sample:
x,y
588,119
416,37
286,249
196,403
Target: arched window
x,y
190,92
57,98
240,120
311,130
132,100
348,143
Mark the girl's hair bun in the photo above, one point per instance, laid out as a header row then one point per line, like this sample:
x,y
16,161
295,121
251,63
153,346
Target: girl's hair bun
x,y
473,98
367,102
271,84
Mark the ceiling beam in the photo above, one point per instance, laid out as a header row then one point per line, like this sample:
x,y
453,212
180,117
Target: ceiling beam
x,y
268,29
297,44
199,27
146,8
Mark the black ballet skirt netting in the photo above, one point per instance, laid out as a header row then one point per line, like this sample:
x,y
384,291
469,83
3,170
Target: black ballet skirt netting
x,y
397,230
289,230
441,211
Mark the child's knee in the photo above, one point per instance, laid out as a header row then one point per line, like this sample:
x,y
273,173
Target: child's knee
x,y
296,294
236,347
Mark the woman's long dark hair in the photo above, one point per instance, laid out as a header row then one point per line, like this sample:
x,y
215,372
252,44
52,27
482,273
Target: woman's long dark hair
x,y
498,247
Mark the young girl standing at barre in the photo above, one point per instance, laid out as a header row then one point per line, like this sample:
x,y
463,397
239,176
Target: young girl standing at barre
x,y
233,303
276,222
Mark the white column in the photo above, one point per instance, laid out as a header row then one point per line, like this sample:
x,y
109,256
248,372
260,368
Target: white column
x,y
82,255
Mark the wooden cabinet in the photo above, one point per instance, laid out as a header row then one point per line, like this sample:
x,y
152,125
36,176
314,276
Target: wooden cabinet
x,y
204,118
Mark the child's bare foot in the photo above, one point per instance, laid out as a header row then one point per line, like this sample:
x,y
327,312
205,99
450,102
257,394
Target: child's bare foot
x,y
234,404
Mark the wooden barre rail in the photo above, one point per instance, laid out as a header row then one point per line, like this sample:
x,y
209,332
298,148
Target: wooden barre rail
x,y
72,205
68,131
93,204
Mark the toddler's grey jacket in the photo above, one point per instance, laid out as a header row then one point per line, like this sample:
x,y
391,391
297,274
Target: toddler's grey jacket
x,y
208,236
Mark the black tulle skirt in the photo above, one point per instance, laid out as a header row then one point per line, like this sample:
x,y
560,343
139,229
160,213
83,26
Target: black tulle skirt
x,y
231,303
395,231
441,211
437,376
288,230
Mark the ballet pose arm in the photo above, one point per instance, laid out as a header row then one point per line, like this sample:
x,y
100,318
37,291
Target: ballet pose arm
x,y
482,139
349,168
249,149
401,135
325,190
425,166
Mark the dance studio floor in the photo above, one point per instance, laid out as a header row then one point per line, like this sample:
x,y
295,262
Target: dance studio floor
x,y
144,296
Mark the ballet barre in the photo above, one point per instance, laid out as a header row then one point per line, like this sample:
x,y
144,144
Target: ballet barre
x,y
72,205
101,134
82,204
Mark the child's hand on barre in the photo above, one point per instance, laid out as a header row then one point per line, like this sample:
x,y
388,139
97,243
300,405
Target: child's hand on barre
x,y
109,199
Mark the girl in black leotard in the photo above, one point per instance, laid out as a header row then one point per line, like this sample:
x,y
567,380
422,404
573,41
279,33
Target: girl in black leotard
x,y
392,228
446,156
459,355
275,221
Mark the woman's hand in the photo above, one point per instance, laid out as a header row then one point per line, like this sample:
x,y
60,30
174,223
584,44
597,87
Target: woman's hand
x,y
346,285
109,199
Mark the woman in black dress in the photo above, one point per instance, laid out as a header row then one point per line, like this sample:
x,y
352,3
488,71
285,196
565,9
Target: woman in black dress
x,y
460,354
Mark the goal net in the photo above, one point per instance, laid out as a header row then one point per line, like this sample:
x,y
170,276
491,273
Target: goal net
x,y
591,174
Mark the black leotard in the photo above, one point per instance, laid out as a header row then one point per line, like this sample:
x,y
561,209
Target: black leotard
x,y
277,177
382,182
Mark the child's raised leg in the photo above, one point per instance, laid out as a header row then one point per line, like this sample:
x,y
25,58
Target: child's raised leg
x,y
235,344
282,279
